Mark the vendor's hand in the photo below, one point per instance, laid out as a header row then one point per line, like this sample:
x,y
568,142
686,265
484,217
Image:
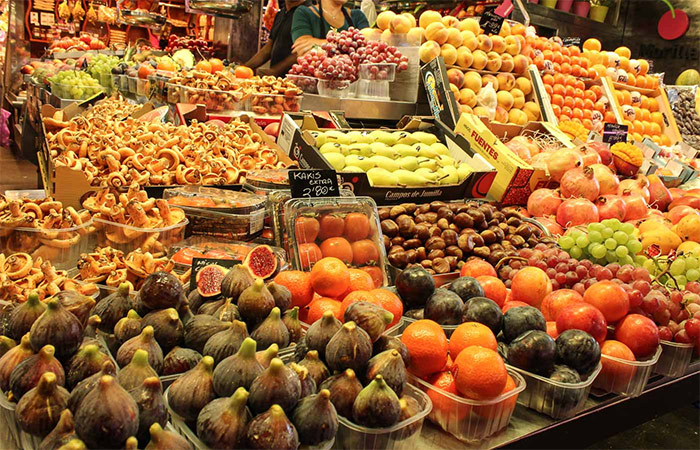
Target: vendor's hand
x,y
304,44
264,71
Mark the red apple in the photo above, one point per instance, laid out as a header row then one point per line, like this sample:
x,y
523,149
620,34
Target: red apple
x,y
639,333
476,268
582,316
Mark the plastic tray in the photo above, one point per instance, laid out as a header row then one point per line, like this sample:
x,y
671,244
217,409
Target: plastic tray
x,y
337,88
306,84
373,89
235,250
65,91
448,329
471,420
675,359
210,222
353,436
213,199
10,431
267,179
557,400
274,104
142,87
127,238
629,378
212,99
378,71
132,81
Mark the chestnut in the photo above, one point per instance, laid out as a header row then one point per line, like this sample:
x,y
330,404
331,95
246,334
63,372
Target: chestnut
x,y
431,217
476,215
421,253
383,213
396,211
436,205
436,254
452,260
524,230
398,240
407,227
482,252
412,255
465,242
450,237
387,242
463,220
398,259
443,224
435,243
412,243
455,251
394,249
389,228
489,236
422,232
426,263
421,218
445,213
410,207
441,265
423,208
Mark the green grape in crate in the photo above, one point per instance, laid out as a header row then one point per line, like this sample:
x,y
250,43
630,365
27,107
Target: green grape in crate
x,y
605,242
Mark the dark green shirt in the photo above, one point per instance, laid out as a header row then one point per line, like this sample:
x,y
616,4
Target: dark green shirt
x,y
306,23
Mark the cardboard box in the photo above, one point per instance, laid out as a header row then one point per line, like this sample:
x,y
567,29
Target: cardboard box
x,y
299,144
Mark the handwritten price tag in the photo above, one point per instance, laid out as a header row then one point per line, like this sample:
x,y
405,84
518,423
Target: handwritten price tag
x,y
313,183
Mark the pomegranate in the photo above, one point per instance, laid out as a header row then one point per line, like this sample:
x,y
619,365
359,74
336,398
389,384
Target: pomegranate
x,y
589,156
607,180
577,211
561,161
580,182
677,213
639,184
543,202
603,151
551,225
636,205
611,207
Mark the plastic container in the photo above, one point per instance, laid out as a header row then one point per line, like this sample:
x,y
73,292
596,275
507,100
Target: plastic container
x,y
337,88
373,89
31,194
222,200
220,249
274,104
307,84
263,182
378,71
471,420
10,432
555,399
212,99
142,87
132,84
73,92
123,83
675,359
403,435
624,377
127,238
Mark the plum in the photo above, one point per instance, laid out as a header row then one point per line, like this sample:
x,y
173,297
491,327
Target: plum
x,y
566,399
485,311
444,307
466,288
518,320
415,285
533,351
578,350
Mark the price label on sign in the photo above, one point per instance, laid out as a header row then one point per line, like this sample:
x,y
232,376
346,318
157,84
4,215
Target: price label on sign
x,y
491,23
569,41
313,183
614,133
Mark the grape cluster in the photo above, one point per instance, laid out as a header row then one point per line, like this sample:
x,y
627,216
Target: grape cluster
x,y
684,268
608,241
346,42
179,42
74,84
317,64
100,67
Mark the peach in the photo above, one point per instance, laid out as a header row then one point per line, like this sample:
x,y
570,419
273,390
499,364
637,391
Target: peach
x,y
429,51
456,77
485,43
454,37
518,98
387,35
449,54
371,34
472,80
410,18
498,44
482,112
480,59
532,111
416,35
517,117
450,21
464,109
486,79
469,40
520,64
506,81
507,64
467,97
470,24
524,85
505,29
429,17
384,19
494,62
501,114
455,90
437,32
464,57
399,24
513,46
505,99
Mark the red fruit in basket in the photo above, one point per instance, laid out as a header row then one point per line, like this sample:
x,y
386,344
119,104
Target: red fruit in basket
x,y
639,333
444,406
582,316
364,252
512,304
530,285
477,267
332,225
376,274
309,254
337,248
306,229
261,261
185,255
356,226
359,281
494,289
557,300
665,334
610,298
615,375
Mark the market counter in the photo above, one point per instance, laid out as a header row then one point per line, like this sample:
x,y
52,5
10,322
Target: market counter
x,y
360,108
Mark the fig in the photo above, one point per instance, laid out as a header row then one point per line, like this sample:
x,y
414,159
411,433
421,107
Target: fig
x,y
308,385
144,341
409,408
255,303
27,374
223,422
261,261
349,348
444,307
38,411
194,300
22,318
193,390
320,332
131,444
132,375
128,327
77,304
466,288
390,366
90,334
161,290
200,329
210,308
138,305
518,320
237,370
415,285
61,434
317,370
58,327
578,350
385,343
293,324
180,360
152,408
485,311
266,356
315,418
276,385
11,359
377,405
209,280
167,328
185,313
84,387
113,307
227,342
272,429
86,362
416,314
272,331
237,279
282,296
6,344
370,317
228,311
344,388
166,440
533,351
75,444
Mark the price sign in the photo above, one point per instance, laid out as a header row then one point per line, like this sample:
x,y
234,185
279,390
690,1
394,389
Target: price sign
x,y
614,133
569,41
491,23
437,88
200,263
313,183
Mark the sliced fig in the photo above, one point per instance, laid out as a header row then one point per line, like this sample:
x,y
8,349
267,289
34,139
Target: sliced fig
x,y
209,280
261,261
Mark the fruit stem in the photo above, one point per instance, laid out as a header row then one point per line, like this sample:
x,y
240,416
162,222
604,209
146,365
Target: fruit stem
x,y
124,289
508,258
670,7
248,348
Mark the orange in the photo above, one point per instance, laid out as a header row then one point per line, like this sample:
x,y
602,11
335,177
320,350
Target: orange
x,y
631,80
145,70
610,117
323,304
530,285
626,98
643,66
204,66
558,100
624,52
597,90
653,105
592,44
330,277
167,65
299,284
569,101
559,89
548,89
443,405
389,301
243,72
655,128
216,65
578,102
501,409
471,333
556,109
354,297
359,281
337,247
615,375
309,254
376,274
641,81
665,140
480,373
570,91
494,288
588,123
657,118
559,78
427,344
548,79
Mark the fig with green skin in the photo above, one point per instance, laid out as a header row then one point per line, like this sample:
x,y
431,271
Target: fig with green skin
x,y
320,332
86,362
390,366
228,312
223,422
113,307
166,440
349,348
226,343
344,388
73,444
266,356
161,290
59,328
131,444
392,343
39,409
308,385
11,359
193,390
255,303
28,373
6,344
293,324
200,328
63,433
317,370
409,408
272,429
167,327
151,404
84,387
315,418
377,405
237,370
282,296
144,341
370,317
133,374
77,304
128,327
22,318
210,308
276,385
180,360
272,331
236,281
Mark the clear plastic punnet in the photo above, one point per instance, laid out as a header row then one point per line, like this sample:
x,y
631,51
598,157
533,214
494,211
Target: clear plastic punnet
x,y
128,238
378,71
624,377
274,104
307,84
675,359
213,99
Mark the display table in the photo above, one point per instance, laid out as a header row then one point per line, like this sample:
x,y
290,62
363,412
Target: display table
x,y
357,108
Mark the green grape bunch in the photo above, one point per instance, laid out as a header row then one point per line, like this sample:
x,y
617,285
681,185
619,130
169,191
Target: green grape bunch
x,y
73,84
675,270
605,242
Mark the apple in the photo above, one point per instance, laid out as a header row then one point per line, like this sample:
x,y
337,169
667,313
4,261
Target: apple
x,y
639,333
582,316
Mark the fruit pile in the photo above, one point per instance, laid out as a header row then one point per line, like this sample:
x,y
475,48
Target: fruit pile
x,y
83,43
101,66
186,42
572,99
642,116
605,242
74,84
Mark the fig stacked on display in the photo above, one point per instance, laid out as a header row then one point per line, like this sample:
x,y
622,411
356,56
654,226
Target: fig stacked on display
x,y
603,242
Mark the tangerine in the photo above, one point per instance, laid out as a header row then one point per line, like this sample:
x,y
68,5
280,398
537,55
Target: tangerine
x,y
503,408
615,374
330,277
389,301
443,404
319,306
592,44
337,247
309,254
480,373
243,72
364,252
531,285
471,333
204,66
356,226
216,65
354,297
145,70
559,89
359,281
299,284
494,288
427,344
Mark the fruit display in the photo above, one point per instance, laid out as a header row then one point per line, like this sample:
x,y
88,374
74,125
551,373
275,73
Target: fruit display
x,y
186,42
82,43
100,67
686,113
72,84
578,100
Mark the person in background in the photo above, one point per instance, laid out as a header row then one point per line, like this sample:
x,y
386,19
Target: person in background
x,y
369,8
312,23
278,49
